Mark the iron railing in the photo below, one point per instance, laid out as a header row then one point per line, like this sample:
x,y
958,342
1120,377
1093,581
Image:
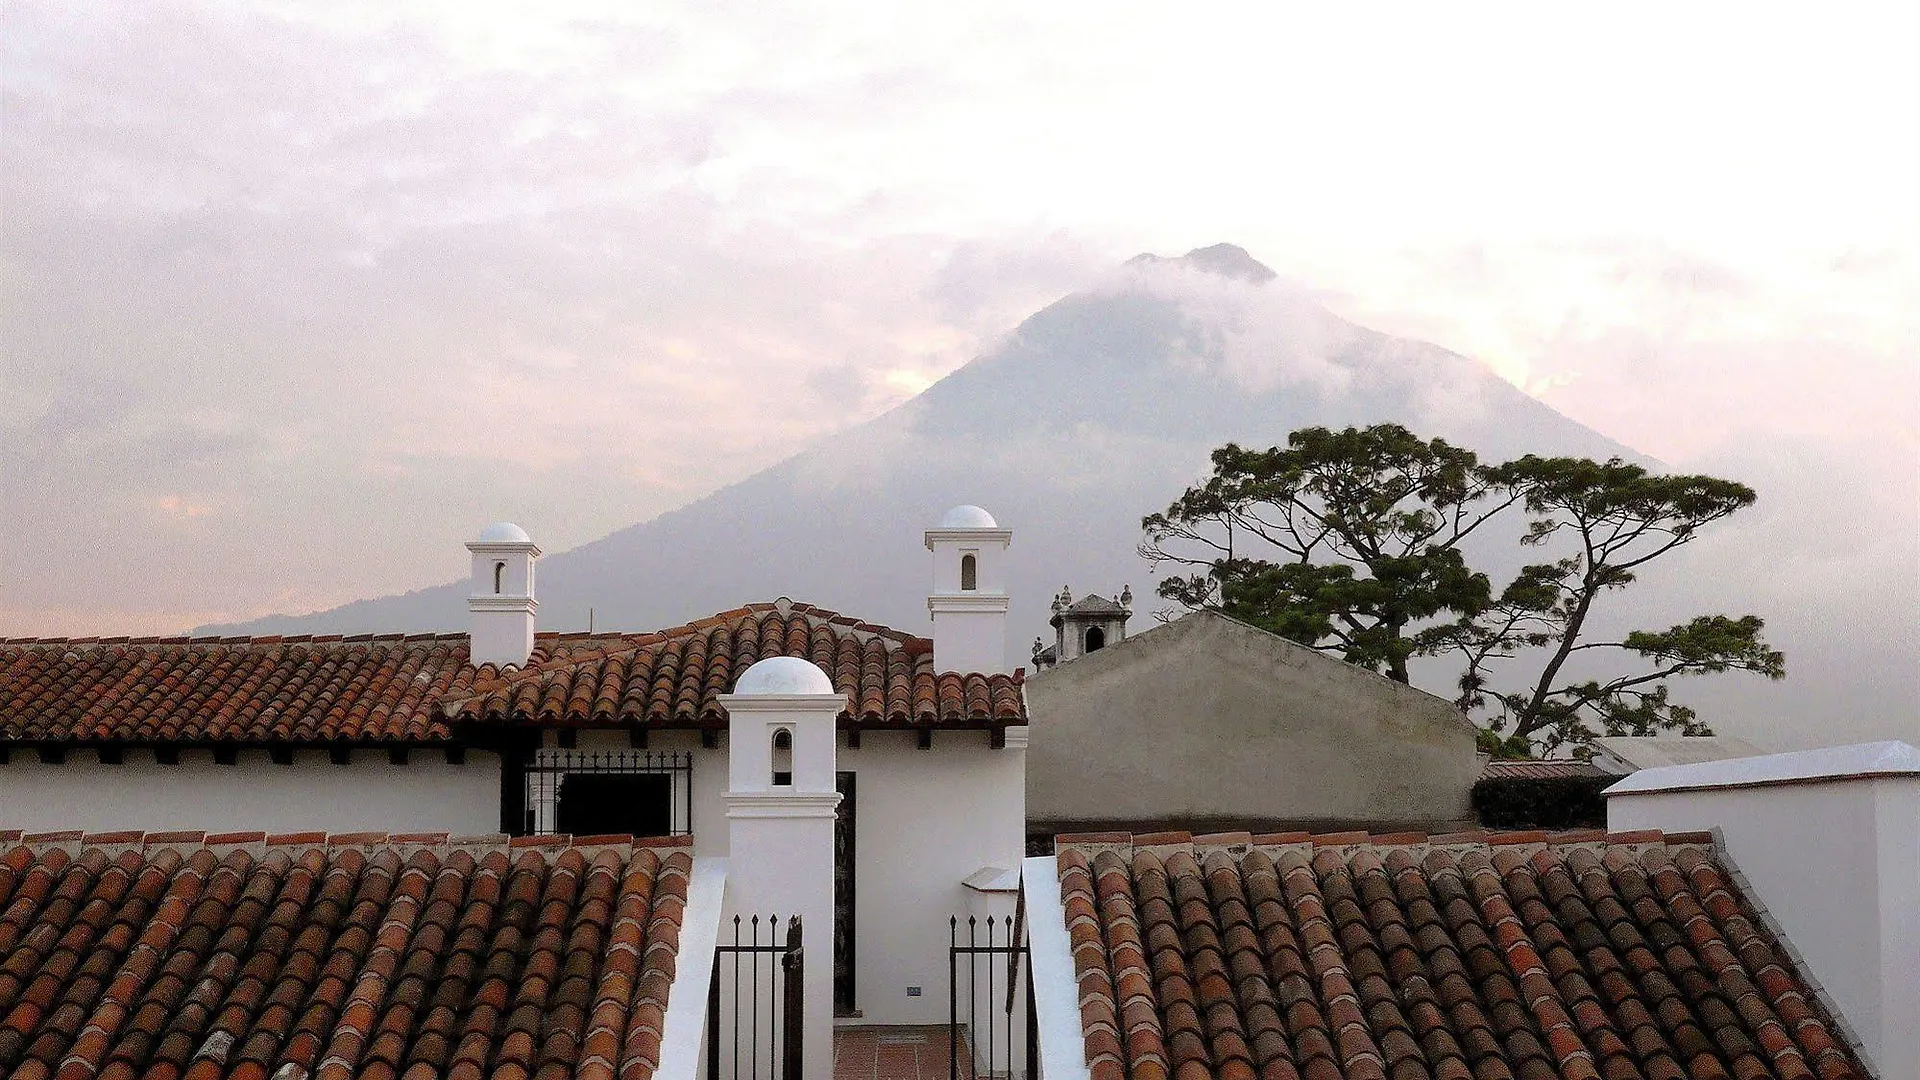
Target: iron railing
x,y
774,973
637,792
998,1008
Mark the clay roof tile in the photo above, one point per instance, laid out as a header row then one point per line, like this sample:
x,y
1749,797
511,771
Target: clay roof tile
x,y
318,955
1473,956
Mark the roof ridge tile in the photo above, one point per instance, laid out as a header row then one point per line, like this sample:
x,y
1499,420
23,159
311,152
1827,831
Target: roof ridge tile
x,y
1350,838
1699,837
308,839
1231,842
1162,844
1516,836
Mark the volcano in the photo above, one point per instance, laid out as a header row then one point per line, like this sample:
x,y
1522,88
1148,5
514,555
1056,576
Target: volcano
x,y
1096,410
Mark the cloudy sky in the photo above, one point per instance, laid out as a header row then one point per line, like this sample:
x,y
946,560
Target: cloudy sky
x,y
294,297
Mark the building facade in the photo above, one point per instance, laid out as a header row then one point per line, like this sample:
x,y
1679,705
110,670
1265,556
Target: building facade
x,y
509,731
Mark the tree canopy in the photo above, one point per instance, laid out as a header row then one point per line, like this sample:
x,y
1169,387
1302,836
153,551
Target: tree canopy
x,y
1352,542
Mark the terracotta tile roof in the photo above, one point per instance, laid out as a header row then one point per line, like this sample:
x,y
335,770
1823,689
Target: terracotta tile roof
x,y
264,689
413,688
673,677
1473,957
1539,770
247,956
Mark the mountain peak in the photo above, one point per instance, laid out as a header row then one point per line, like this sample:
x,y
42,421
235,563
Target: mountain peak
x,y
1226,260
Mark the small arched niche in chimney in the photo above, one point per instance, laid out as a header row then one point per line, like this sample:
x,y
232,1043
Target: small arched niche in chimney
x,y
783,757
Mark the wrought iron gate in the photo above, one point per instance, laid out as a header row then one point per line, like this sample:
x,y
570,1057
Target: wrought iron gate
x,y
755,1020
990,1029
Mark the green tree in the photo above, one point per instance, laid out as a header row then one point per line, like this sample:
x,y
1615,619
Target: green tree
x,y
1351,542
1368,523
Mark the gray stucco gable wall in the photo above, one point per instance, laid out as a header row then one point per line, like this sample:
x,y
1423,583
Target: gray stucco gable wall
x,y
1208,721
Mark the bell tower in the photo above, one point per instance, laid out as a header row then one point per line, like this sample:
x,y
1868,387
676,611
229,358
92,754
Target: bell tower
x,y
969,598
1086,625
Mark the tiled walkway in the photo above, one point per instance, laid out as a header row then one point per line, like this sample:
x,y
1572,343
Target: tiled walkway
x,y
894,1053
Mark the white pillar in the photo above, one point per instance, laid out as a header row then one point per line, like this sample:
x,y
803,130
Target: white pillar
x,y
780,835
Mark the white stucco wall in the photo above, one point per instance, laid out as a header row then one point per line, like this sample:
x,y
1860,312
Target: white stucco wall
x,y
369,794
924,821
1835,861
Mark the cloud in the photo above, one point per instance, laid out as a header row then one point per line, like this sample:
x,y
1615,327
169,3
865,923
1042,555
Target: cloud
x,y
1257,336
1827,557
267,271
181,507
356,277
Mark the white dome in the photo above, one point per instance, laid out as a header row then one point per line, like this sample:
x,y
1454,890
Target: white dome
x,y
504,532
784,675
968,516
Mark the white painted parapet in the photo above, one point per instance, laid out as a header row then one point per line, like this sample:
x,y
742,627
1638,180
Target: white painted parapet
x,y
1828,842
682,1041
1056,989
781,721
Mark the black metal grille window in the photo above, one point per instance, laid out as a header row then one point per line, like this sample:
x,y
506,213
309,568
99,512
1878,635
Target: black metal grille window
x,y
990,1029
597,792
755,1002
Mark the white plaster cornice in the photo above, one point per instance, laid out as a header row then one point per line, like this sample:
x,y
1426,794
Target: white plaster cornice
x,y
1017,736
504,547
1833,764
774,804
782,703
985,536
967,601
493,602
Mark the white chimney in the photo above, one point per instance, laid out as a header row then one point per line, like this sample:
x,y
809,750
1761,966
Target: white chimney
x,y
500,605
781,797
969,598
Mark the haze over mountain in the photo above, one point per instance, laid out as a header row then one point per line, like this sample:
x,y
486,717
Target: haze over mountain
x,y
1096,410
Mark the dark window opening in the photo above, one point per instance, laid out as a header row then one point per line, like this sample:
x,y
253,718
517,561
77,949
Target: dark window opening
x,y
499,572
1096,639
646,792
595,804
783,758
843,891
969,574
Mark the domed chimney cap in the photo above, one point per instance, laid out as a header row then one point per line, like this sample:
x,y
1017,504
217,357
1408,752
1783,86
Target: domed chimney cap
x,y
784,675
504,532
968,516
